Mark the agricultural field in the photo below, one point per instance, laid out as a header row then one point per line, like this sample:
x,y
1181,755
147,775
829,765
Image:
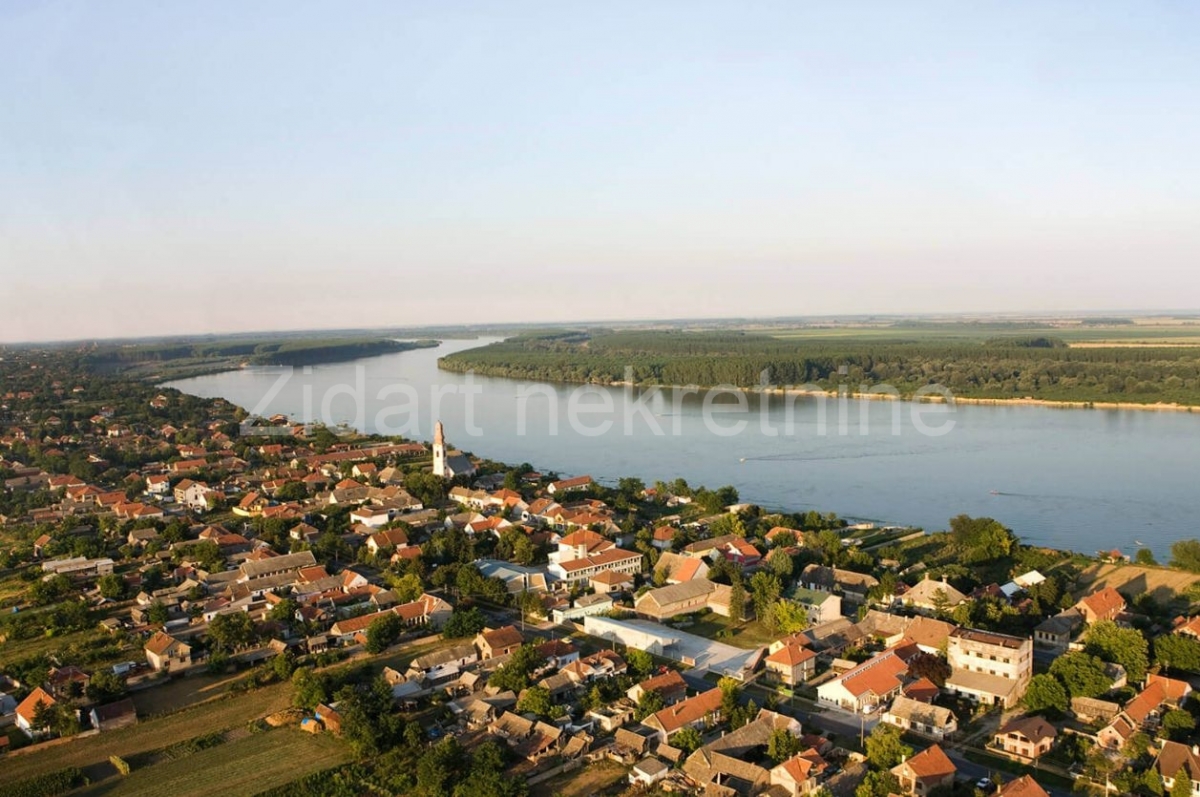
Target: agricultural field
x,y
91,754
1163,584
245,766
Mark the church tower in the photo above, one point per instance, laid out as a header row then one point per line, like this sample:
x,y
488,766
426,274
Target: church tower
x,y
439,450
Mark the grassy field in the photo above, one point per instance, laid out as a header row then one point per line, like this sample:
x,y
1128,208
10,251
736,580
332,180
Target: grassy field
x,y
1163,584
23,648
748,635
595,779
91,754
243,767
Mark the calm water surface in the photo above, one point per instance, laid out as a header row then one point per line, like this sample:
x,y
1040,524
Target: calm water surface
x,y
1077,479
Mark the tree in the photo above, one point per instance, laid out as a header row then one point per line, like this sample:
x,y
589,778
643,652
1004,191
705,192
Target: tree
x,y
1185,554
231,631
885,747
688,740
981,539
765,590
1045,693
1124,646
789,617
514,673
105,686
931,666
112,586
1176,724
651,702
640,663
1182,785
308,688
464,623
383,632
737,600
782,745
1082,675
1177,652
284,612
1145,556
538,700
878,784
157,614
407,587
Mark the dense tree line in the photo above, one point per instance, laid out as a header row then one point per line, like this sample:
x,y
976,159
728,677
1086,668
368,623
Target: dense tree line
x,y
999,368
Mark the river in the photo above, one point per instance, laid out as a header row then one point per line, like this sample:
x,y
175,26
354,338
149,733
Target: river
x,y
1083,480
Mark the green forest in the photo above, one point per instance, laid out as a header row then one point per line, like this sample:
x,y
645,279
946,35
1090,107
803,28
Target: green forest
x,y
179,359
1007,363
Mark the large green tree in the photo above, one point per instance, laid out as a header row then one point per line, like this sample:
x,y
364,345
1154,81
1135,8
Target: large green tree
x,y
885,747
1045,693
1081,674
1177,652
1124,646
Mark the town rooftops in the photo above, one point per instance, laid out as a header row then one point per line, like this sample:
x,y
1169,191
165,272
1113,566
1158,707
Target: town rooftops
x,y
276,564
1024,786
1104,603
685,712
609,557
1035,729
505,637
989,638
931,764
28,707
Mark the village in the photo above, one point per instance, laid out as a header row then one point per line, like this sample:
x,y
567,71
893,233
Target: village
x,y
336,611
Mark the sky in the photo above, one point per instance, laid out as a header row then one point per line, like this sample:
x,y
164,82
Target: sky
x,y
170,168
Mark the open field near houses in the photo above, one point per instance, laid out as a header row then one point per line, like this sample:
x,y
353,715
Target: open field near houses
x,y
1162,583
245,766
91,754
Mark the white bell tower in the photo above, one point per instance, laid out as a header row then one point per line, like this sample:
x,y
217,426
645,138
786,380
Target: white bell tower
x,y
439,450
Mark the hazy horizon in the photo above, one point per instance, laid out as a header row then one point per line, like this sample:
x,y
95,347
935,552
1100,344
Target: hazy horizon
x,y
183,170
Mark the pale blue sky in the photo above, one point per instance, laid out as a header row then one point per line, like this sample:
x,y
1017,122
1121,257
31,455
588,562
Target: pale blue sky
x,y
188,167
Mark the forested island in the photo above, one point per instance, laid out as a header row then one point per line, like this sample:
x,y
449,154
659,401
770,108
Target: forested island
x,y
166,360
1007,362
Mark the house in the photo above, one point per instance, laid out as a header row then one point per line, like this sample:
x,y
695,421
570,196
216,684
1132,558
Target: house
x,y
192,494
372,516
609,581
697,712
444,664
498,642
921,718
932,596
1105,604
726,763
27,712
740,552
663,536
165,652
867,686
925,771
673,568
989,668
388,540
1188,627
648,771
1142,709
1026,737
66,682
598,666
114,715
329,718
1024,786
670,687
1176,761
849,584
158,484
1054,634
688,597
583,569
569,485
799,774
821,607
790,661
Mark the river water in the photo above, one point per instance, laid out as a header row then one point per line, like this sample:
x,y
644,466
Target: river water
x,y
1077,479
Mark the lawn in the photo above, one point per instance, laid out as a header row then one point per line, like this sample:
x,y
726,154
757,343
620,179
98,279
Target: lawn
x,y
90,753
246,766
748,635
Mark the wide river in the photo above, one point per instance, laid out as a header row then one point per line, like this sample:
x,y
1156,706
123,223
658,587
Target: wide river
x,y
1079,479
